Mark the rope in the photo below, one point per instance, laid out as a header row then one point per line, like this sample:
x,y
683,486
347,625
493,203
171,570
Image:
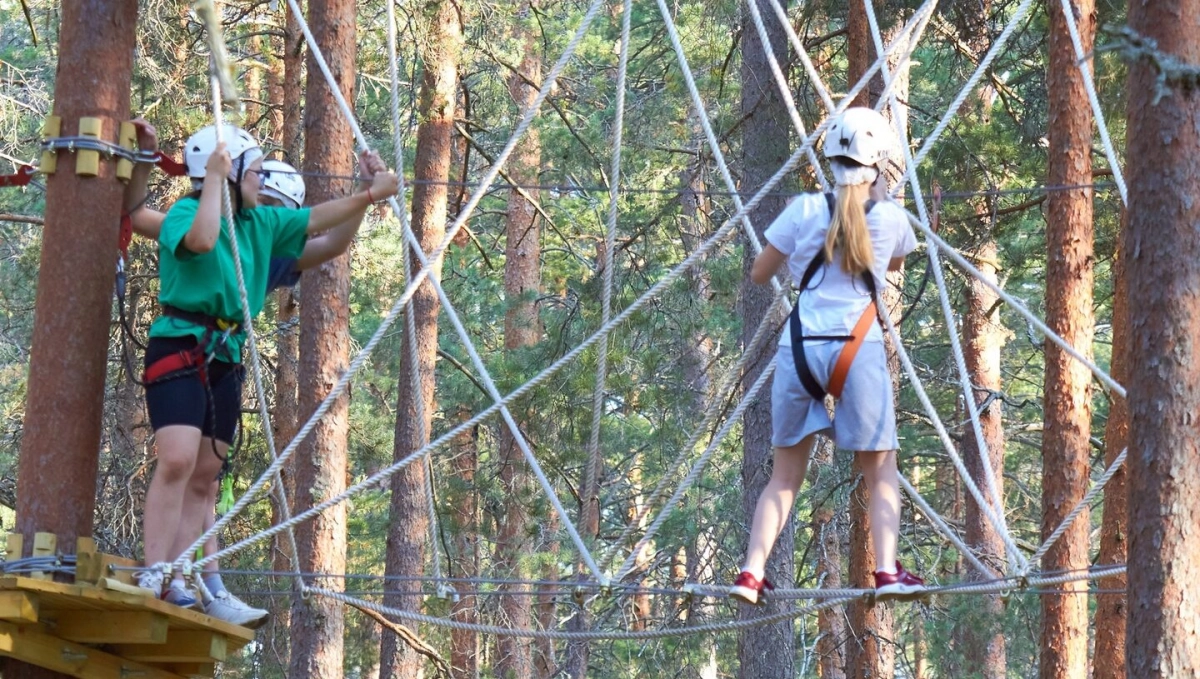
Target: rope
x,y
410,320
964,376
781,80
1079,508
591,483
802,53
1089,84
734,418
944,529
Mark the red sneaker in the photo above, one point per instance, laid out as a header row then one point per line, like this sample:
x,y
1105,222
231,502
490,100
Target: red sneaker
x,y
899,585
747,587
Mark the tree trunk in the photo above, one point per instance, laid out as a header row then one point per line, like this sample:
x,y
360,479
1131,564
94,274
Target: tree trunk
x,y
409,518
464,645
1164,265
522,328
1109,659
321,465
765,651
983,638
56,473
284,92
831,622
1067,392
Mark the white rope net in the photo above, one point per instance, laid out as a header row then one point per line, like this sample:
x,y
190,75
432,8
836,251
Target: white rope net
x,y
1020,572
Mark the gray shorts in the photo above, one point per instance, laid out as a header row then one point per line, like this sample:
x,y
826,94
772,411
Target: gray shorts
x,y
865,415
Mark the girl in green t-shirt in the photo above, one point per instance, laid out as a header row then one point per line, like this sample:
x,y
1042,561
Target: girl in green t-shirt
x,y
193,360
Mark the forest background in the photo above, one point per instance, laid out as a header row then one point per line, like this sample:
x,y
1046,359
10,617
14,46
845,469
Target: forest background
x,y
664,363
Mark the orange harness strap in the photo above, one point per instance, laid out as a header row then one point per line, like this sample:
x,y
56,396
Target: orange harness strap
x,y
837,380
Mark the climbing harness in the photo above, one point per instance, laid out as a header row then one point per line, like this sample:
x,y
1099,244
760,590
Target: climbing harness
x,y
217,332
853,341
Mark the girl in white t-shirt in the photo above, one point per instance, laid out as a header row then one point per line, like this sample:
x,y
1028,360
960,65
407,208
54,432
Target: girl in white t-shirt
x,y
838,249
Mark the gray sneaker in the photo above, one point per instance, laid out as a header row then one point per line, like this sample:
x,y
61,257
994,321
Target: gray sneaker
x,y
227,607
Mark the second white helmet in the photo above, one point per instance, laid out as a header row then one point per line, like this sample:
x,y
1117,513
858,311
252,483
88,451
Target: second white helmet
x,y
242,147
862,135
281,181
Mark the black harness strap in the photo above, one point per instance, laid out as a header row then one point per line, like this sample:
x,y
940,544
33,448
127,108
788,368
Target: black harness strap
x,y
807,379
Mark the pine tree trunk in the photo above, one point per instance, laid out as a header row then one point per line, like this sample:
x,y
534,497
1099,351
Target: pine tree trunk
x,y
409,531
1164,265
464,645
1109,659
522,328
983,337
1066,445
831,622
767,651
284,93
321,464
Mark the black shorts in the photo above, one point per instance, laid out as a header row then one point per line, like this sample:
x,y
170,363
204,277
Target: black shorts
x,y
183,400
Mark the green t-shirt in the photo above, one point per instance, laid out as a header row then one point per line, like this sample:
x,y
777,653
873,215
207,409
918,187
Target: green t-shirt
x,y
207,283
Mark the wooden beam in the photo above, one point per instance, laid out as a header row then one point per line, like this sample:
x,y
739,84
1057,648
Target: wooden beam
x,y
14,548
44,544
125,627
182,646
37,648
18,607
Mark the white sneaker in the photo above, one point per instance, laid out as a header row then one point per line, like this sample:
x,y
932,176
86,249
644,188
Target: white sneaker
x,y
227,607
152,581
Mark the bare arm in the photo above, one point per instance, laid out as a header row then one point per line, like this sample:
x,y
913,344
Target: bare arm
x,y
896,263
766,264
147,223
206,224
335,212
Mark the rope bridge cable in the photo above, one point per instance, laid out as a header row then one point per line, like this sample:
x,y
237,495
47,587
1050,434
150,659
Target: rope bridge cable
x,y
448,307
752,237
996,516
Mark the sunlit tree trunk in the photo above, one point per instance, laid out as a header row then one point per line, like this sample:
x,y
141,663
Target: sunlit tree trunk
x,y
1066,444
464,645
1164,313
409,532
321,465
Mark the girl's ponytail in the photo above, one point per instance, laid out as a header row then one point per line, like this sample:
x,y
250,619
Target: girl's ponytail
x,y
848,230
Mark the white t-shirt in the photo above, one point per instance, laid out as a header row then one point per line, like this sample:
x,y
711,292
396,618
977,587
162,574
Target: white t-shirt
x,y
835,300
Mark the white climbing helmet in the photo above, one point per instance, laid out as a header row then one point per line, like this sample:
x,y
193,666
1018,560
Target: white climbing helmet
x,y
862,135
243,149
281,181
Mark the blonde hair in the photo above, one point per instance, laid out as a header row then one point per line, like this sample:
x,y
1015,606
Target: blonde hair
x,y
848,230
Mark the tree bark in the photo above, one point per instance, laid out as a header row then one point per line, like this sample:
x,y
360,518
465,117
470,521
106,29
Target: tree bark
x,y
1066,445
464,645
831,622
1164,265
1109,659
56,472
983,637
767,651
321,465
522,328
410,521
284,92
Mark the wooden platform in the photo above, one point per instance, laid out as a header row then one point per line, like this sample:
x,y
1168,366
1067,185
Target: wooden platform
x,y
103,628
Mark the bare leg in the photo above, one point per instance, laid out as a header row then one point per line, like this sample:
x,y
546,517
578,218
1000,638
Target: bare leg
x,y
197,496
883,483
177,446
775,503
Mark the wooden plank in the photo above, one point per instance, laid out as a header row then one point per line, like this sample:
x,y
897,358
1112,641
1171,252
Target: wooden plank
x,y
18,607
182,646
123,627
15,547
105,569
44,544
30,645
86,563
63,597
